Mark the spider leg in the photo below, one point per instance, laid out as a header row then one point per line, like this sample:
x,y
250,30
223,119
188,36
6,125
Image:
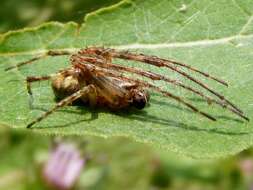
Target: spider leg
x,y
38,57
68,100
156,62
179,99
154,76
224,106
196,70
124,54
29,81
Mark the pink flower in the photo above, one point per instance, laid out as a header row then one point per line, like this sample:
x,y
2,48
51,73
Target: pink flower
x,y
63,167
246,166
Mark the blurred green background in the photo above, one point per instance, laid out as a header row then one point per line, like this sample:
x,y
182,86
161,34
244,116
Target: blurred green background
x,y
115,163
119,164
16,14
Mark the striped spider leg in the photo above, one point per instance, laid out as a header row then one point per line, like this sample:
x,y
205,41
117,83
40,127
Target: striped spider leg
x,y
66,101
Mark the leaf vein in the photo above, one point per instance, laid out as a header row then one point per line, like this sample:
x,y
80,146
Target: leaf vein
x,y
201,43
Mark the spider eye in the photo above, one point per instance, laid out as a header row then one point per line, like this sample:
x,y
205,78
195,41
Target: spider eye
x,y
139,101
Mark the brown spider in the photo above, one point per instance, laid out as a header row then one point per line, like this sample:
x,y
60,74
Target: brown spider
x,y
94,79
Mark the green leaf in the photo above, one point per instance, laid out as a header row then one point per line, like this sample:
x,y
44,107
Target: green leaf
x,y
214,36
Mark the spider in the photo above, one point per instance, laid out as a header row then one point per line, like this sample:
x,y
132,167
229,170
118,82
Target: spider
x,y
94,79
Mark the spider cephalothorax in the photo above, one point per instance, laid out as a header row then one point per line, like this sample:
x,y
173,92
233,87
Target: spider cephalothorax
x,y
93,78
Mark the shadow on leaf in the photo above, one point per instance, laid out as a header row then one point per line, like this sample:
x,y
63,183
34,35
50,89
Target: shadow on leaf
x,y
143,116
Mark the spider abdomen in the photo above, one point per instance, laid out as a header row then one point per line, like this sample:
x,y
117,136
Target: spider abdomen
x,y
64,86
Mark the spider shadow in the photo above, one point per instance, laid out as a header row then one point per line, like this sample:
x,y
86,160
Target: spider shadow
x,y
220,117
81,109
140,115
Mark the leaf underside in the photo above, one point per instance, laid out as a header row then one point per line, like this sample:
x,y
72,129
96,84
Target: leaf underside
x,y
214,36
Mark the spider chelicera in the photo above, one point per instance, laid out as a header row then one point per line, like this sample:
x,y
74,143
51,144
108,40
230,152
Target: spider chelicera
x,y
94,79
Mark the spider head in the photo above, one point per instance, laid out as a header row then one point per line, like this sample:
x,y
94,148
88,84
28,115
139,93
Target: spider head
x,y
140,98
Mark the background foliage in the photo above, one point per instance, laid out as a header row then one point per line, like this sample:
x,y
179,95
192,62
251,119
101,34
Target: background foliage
x,y
18,14
117,163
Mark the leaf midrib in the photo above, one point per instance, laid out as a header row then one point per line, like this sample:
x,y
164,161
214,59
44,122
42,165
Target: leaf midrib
x,y
201,43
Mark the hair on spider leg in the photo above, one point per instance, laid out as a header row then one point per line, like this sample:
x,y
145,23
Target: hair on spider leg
x,y
149,58
51,53
62,103
25,62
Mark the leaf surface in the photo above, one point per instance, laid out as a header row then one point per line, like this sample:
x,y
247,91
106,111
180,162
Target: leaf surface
x,y
214,36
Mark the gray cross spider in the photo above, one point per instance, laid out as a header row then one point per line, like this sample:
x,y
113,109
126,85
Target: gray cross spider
x,y
94,79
